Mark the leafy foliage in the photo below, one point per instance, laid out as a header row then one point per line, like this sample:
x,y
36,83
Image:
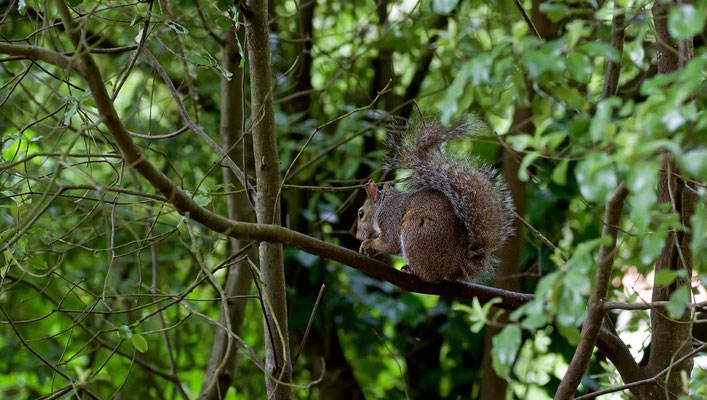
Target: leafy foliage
x,y
107,282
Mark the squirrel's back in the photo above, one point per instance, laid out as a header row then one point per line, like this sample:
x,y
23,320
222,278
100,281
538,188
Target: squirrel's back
x,y
479,197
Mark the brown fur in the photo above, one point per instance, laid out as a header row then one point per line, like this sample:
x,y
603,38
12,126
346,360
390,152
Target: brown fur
x,y
451,222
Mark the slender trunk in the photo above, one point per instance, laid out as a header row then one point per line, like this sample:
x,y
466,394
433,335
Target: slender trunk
x,y
384,72
494,387
301,100
267,203
238,280
671,339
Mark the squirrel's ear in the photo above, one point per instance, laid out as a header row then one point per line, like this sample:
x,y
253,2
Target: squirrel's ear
x,y
372,190
386,186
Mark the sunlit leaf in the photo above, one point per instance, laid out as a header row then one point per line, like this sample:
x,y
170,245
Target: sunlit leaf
x,y
678,301
505,348
139,342
685,21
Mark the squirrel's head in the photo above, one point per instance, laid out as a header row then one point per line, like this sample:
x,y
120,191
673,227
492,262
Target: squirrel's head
x,y
366,226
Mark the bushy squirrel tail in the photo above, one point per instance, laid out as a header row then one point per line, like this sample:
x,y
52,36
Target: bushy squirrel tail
x,y
478,194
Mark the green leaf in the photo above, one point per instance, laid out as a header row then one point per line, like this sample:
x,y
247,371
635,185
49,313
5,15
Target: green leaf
x,y
124,332
570,96
555,11
545,59
71,112
579,66
480,69
596,177
139,342
523,169
74,3
600,122
685,21
678,301
202,198
449,104
665,277
572,305
652,246
37,262
571,333
559,174
601,49
225,5
444,6
137,19
180,30
642,180
505,348
224,23
694,162
698,225
199,60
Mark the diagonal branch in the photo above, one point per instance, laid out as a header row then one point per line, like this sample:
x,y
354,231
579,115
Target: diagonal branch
x,y
646,381
527,19
42,54
200,132
595,311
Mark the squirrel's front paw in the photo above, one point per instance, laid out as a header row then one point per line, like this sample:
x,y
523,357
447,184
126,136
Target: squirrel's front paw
x,y
367,248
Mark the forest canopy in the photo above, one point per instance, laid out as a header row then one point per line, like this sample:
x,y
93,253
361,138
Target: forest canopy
x,y
180,184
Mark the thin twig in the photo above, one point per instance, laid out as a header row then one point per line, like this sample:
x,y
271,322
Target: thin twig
x,y
646,381
309,325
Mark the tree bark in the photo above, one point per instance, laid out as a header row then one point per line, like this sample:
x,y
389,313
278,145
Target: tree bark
x,y
301,100
238,280
595,312
671,339
267,203
492,386
611,80
383,71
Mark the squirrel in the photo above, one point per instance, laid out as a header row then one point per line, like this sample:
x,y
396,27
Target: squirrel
x,y
455,214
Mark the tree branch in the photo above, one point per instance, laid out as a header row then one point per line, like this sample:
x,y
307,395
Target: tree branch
x,y
238,280
613,68
200,132
595,312
42,54
646,381
267,202
527,19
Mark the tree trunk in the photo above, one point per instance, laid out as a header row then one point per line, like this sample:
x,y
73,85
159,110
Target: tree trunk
x,y
301,98
492,386
671,339
238,281
267,204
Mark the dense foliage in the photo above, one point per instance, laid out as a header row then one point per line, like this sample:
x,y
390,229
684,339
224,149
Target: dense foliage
x,y
106,286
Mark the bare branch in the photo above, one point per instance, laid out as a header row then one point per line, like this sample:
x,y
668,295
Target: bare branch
x,y
42,54
200,132
651,380
527,19
595,312
613,68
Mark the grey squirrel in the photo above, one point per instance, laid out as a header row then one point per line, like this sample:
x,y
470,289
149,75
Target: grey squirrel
x,y
452,219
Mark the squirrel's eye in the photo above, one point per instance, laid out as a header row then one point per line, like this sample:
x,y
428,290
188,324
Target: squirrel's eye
x,y
360,213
